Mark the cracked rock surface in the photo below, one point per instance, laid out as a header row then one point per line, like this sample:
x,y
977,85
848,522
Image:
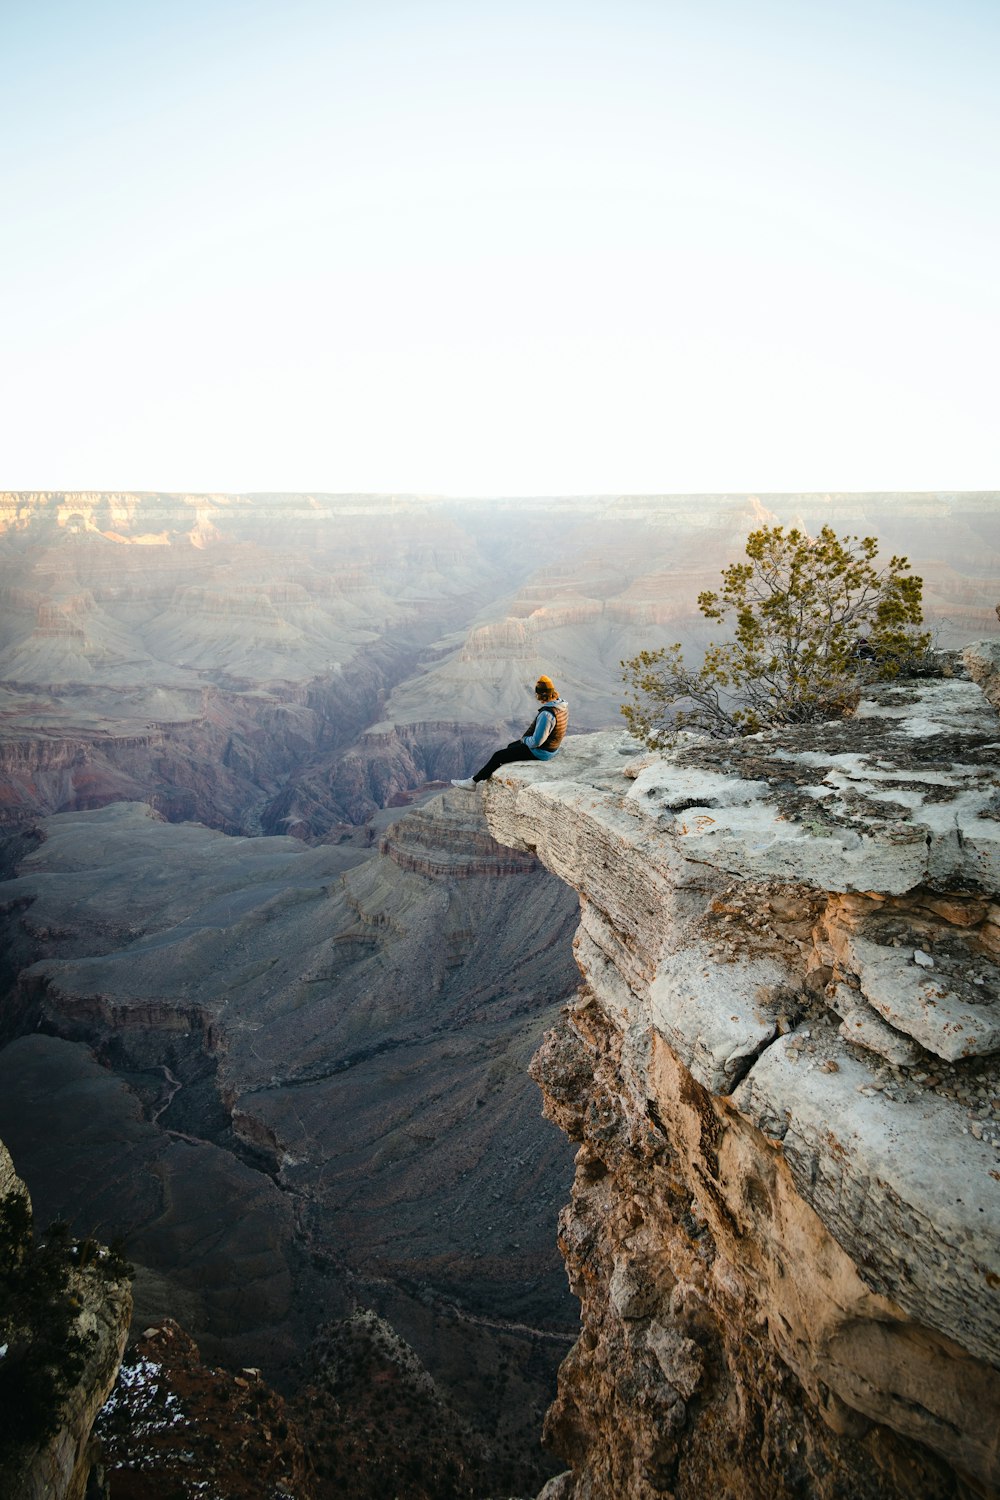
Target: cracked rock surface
x,y
783,1073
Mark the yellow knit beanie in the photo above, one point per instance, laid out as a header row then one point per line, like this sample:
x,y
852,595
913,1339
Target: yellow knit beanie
x,y
545,688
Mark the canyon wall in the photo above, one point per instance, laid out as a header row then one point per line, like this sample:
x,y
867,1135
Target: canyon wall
x,y
782,1074
215,655
290,663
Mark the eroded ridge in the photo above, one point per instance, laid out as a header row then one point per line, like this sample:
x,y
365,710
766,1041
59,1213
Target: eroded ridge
x,y
783,1069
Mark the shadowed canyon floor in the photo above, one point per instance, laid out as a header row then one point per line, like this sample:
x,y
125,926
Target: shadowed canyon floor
x,y
296,1080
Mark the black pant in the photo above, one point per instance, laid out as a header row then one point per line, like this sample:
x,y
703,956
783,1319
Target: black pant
x,y
516,750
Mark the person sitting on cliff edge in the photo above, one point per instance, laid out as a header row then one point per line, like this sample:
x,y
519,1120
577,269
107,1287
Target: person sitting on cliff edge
x,y
540,740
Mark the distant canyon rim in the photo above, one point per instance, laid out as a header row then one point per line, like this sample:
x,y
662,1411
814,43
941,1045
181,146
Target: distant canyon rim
x,y
270,988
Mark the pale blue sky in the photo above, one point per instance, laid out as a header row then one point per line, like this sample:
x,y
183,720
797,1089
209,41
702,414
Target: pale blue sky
x,y
524,248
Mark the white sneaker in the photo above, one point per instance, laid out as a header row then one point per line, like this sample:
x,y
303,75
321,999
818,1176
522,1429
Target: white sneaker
x,y
464,781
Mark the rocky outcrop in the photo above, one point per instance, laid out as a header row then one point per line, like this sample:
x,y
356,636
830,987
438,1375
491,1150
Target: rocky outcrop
x,y
77,1312
782,1074
175,1425
446,840
983,663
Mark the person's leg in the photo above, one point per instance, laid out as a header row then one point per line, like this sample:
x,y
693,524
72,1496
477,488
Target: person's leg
x,y
516,750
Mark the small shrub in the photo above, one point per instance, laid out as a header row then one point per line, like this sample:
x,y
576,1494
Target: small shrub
x,y
46,1352
813,618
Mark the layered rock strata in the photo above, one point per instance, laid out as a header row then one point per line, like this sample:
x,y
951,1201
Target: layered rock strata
x,y
289,663
782,1073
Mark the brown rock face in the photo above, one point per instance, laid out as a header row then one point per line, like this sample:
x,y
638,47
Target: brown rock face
x,y
176,1426
677,1385
983,664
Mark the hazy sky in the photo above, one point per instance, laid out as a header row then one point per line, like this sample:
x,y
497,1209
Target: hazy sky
x,y
500,248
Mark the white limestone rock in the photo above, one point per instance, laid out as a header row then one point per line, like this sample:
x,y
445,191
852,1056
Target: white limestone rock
x,y
728,892
943,1012
982,662
865,1028
716,1017
904,792
908,1194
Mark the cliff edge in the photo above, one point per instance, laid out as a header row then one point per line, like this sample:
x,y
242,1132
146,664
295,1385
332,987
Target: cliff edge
x,y
783,1072
64,1315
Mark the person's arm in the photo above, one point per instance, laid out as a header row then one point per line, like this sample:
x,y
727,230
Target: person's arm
x,y
541,729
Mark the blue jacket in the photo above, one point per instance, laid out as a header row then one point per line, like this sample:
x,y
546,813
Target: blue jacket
x,y
545,727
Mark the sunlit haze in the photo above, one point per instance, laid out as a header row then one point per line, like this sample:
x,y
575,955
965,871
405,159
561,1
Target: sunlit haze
x,y
692,245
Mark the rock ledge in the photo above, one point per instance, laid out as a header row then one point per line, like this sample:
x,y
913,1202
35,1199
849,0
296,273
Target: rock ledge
x,y
783,1071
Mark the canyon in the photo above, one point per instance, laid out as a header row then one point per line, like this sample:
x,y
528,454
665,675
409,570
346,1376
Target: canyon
x,y
295,1079
271,995
290,663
